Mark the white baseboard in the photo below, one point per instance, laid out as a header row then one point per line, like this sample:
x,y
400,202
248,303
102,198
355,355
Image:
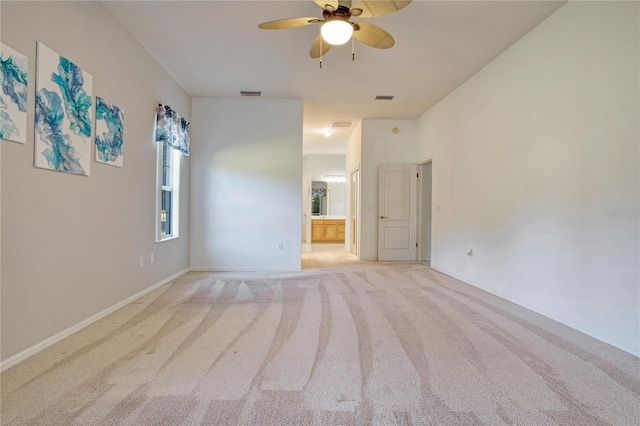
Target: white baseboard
x,y
10,362
623,345
206,269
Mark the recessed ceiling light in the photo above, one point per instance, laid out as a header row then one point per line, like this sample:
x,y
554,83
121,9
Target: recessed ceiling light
x,y
384,98
327,133
250,93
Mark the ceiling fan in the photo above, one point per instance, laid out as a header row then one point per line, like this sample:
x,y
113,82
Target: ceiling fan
x,y
337,28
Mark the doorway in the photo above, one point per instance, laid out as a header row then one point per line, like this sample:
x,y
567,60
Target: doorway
x,y
425,186
324,204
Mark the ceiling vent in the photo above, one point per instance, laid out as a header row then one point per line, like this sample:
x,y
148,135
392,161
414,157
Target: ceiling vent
x,y
341,124
243,93
383,98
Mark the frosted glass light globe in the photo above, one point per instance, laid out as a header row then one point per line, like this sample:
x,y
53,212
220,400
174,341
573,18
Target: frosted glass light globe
x,y
336,32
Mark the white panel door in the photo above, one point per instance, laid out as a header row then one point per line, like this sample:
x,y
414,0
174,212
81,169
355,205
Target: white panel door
x,y
397,212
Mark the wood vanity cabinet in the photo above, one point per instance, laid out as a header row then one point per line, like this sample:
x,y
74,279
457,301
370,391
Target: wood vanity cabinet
x,y
327,230
317,230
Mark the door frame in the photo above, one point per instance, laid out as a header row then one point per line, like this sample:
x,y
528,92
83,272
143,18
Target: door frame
x,y
354,203
422,215
306,206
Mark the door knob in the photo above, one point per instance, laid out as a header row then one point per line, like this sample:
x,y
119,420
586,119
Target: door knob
x,y
383,217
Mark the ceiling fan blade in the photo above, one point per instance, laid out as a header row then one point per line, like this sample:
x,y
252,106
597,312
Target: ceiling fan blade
x,y
288,23
373,8
329,5
314,52
372,35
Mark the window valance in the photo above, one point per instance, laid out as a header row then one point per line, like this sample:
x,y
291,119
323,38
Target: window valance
x,y
172,129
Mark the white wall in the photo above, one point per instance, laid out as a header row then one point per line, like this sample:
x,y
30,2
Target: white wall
x,y
354,148
319,165
528,157
379,145
246,184
337,192
71,244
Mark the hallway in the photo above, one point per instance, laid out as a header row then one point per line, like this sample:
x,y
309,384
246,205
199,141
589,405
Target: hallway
x,y
318,256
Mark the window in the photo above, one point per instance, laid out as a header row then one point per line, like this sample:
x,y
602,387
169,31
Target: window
x,y
168,195
173,138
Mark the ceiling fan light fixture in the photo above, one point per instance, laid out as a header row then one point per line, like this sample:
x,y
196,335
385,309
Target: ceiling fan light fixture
x,y
336,31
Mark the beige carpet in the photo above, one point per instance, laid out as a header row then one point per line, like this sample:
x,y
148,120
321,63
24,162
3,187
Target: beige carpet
x,y
362,343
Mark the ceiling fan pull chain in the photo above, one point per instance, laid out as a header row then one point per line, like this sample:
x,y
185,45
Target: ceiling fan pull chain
x,y
353,48
320,52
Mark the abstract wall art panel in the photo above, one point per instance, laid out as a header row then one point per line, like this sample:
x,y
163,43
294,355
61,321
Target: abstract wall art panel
x,y
63,114
13,96
109,133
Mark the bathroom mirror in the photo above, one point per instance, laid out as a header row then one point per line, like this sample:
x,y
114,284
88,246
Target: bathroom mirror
x,y
318,198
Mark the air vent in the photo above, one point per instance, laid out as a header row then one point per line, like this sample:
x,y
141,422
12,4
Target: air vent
x,y
243,93
383,98
341,124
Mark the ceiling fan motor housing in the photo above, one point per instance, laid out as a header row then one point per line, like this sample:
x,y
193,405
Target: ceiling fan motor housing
x,y
343,13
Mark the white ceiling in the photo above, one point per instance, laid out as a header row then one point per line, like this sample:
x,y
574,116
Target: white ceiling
x,y
215,48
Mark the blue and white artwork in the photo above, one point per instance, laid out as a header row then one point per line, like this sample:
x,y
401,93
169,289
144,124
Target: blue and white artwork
x,y
13,97
63,114
109,133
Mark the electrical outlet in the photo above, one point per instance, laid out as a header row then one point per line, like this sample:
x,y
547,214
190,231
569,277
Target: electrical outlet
x,y
469,251
141,261
152,258
280,246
